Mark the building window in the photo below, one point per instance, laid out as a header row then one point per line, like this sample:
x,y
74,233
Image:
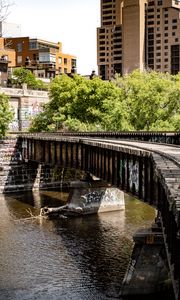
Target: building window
x,y
60,60
102,30
65,61
65,70
74,62
33,45
19,47
19,59
151,36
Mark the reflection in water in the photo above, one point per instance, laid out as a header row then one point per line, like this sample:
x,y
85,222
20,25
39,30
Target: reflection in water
x,y
79,258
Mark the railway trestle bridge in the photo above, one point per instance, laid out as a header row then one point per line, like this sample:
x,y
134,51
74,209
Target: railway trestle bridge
x,y
135,163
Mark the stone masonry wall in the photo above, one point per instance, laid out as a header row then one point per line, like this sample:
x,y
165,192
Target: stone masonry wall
x,y
17,175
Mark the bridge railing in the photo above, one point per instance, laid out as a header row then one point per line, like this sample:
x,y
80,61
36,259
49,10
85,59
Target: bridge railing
x,y
171,137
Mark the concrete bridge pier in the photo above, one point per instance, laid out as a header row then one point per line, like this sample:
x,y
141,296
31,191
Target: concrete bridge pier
x,y
148,272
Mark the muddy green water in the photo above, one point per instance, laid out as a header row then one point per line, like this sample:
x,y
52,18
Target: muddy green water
x,y
78,258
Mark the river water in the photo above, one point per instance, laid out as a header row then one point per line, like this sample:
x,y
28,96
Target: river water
x,y
83,258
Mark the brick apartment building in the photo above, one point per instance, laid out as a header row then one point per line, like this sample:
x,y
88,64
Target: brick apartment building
x,y
141,34
7,61
44,58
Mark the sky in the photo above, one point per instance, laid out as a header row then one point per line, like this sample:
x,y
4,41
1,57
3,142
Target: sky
x,y
72,22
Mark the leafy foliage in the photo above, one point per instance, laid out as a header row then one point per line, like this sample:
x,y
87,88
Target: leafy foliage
x,y
153,100
139,101
6,114
22,75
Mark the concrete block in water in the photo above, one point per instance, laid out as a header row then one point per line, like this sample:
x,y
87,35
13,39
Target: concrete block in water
x,y
91,200
88,201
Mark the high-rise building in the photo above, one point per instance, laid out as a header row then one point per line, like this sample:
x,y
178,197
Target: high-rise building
x,y
138,34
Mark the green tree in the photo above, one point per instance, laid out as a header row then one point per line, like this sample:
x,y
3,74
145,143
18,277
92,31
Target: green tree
x,y
138,101
152,99
22,75
6,114
81,104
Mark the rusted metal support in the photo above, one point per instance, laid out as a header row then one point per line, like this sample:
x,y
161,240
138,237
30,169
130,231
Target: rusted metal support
x,y
49,153
60,153
148,180
52,153
102,163
127,172
86,158
95,161
114,167
118,169
31,150
106,174
64,156
90,156
35,145
141,188
72,155
38,151
55,153
110,173
78,156
68,155
122,170
106,165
